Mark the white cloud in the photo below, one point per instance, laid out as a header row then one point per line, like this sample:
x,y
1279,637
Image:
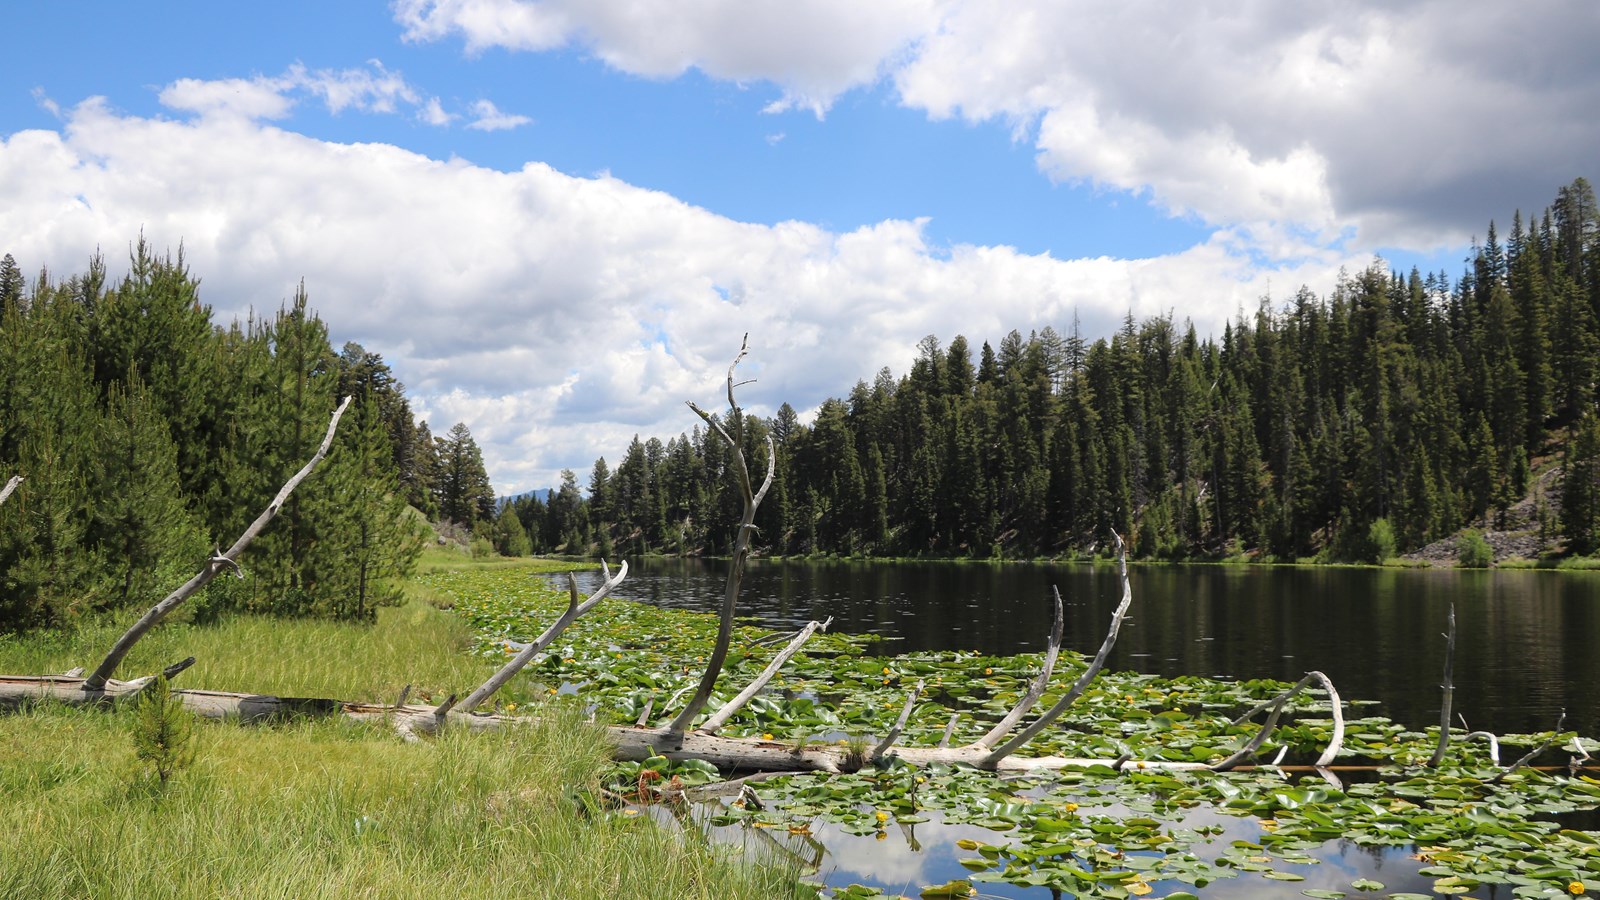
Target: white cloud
x,y
558,316
1404,124
433,113
490,118
813,50
250,98
372,89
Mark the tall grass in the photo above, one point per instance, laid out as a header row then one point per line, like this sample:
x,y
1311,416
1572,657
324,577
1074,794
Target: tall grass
x,y
326,808
415,644
333,809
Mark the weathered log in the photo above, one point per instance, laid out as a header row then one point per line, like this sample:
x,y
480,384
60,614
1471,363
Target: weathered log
x,y
741,545
229,560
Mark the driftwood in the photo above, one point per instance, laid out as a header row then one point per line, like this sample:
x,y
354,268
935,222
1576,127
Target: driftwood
x,y
574,610
992,759
741,546
101,677
722,715
11,485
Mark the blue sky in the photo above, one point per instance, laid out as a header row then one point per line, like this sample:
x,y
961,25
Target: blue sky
x,y
554,218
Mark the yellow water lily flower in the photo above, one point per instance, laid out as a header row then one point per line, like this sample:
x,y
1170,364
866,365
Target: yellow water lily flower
x,y
1575,888
881,816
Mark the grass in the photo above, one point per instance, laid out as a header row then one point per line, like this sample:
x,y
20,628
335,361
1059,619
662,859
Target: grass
x,y
326,808
332,809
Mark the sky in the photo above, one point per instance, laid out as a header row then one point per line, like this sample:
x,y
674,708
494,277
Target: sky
x,y
556,219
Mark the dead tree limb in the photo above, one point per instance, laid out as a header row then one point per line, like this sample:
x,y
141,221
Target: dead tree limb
x,y
899,724
1528,757
1276,705
1449,693
515,665
102,673
721,717
1336,741
10,486
993,759
741,546
1035,690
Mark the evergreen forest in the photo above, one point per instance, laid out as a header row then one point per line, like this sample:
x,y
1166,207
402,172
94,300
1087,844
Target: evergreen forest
x,y
149,435
1389,414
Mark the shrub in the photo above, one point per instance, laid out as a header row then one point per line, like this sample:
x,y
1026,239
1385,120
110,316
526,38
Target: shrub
x,y
163,731
1472,551
1380,540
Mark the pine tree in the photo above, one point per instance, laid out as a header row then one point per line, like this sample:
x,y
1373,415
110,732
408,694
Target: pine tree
x,y
462,484
163,731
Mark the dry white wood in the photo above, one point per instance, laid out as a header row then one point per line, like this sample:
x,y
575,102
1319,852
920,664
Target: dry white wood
x,y
899,724
11,485
1494,744
1449,693
103,672
992,759
741,547
1260,737
949,729
1035,690
1528,757
721,717
515,665
1336,740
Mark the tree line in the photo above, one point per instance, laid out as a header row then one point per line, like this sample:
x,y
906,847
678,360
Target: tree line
x,y
1385,415
148,435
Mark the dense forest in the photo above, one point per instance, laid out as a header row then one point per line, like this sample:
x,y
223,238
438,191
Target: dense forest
x,y
148,435
1386,415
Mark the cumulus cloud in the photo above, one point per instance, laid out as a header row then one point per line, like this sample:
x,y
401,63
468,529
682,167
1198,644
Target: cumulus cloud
x,y
1404,124
558,316
814,50
488,117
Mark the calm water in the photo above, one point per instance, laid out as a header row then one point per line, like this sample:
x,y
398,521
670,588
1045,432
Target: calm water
x,y
1527,647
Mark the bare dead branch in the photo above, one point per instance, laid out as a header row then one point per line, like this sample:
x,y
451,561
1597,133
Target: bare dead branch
x,y
721,717
899,724
949,729
102,673
1260,737
673,734
574,610
171,672
1035,690
1494,744
993,759
1449,693
1336,741
10,486
1528,757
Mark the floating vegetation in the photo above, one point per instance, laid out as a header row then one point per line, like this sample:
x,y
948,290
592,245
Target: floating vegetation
x,y
1102,831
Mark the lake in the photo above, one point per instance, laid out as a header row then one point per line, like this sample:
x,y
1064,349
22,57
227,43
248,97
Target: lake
x,y
1527,645
1525,652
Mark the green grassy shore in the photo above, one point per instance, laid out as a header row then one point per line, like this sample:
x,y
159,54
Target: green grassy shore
x,y
324,808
